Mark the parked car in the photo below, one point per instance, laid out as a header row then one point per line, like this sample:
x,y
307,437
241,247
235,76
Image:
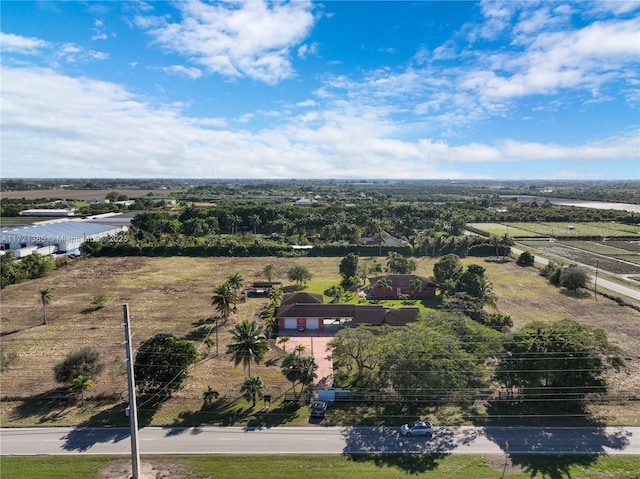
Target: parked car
x,y
319,409
417,428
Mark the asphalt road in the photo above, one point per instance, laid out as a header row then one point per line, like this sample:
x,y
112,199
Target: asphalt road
x,y
321,440
602,283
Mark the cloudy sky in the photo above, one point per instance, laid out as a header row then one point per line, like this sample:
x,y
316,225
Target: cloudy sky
x,y
299,89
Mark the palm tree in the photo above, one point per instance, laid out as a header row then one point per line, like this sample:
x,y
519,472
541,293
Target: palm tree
x,y
378,237
208,397
488,295
335,292
255,220
235,281
45,298
495,241
385,284
415,285
282,341
300,348
81,383
507,242
275,295
251,388
249,344
392,261
224,299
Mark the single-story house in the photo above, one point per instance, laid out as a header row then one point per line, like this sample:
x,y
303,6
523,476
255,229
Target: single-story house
x,y
295,314
401,285
385,240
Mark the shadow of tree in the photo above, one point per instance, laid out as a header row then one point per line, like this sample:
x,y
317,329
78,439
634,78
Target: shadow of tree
x,y
385,446
572,436
227,412
48,406
99,427
577,294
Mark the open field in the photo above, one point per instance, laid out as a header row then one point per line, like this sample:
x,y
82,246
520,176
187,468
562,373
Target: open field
x,y
578,253
499,229
319,466
174,294
559,230
576,230
79,195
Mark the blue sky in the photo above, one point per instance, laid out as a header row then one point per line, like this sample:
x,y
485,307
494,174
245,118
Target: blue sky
x,y
361,89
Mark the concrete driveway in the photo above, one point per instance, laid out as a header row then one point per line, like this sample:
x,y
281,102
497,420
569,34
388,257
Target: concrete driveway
x,y
315,343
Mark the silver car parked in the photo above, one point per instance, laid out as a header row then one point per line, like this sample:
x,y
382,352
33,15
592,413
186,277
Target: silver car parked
x,y
417,428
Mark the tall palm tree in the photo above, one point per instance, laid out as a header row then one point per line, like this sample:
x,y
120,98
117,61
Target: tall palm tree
x,y
275,295
255,220
81,383
507,242
282,341
45,298
392,261
224,299
252,388
495,241
249,344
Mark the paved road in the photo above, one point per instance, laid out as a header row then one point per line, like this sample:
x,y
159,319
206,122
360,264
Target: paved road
x,y
602,283
321,440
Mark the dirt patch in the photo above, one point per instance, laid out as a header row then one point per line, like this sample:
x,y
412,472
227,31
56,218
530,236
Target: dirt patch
x,y
502,463
149,469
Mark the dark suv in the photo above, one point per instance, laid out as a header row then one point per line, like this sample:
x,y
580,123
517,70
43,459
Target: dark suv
x,y
318,409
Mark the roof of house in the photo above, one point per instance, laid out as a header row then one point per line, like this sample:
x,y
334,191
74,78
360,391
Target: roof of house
x,y
303,298
402,280
387,240
329,310
361,314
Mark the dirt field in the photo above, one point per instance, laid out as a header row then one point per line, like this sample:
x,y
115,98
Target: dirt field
x,y
174,295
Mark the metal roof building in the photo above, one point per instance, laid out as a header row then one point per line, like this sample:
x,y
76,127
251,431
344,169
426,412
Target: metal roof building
x,y
64,236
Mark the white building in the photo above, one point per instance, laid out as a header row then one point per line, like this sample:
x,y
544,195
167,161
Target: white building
x,y
64,236
60,212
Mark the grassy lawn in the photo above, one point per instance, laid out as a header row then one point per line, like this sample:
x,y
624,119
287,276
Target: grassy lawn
x,y
323,466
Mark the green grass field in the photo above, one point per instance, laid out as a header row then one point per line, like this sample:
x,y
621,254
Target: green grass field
x,y
338,467
559,230
571,251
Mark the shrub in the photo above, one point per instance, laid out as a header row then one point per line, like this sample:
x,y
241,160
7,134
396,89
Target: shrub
x,y
525,259
85,362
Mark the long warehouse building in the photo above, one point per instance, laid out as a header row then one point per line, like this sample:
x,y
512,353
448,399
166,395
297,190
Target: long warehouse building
x,y
64,236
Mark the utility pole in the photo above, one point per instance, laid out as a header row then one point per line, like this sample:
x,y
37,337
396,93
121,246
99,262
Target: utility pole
x,y
132,410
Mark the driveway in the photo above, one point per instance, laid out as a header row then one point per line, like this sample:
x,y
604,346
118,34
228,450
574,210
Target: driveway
x,y
315,343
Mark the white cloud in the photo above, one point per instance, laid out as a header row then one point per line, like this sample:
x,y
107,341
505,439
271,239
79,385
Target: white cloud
x,y
306,103
307,50
62,126
72,53
190,72
235,38
582,59
10,43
